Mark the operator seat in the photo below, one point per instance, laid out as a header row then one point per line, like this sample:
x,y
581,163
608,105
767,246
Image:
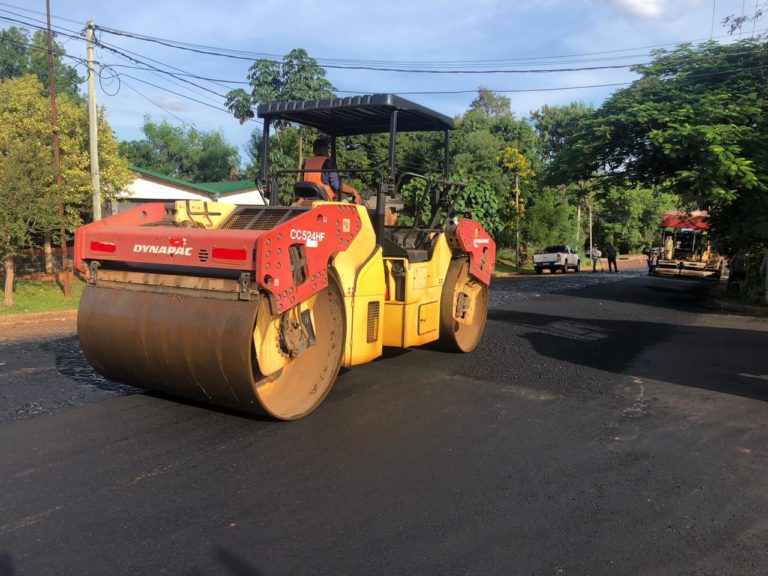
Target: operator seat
x,y
305,190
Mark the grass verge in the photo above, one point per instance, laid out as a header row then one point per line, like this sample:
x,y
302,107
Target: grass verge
x,y
505,263
35,296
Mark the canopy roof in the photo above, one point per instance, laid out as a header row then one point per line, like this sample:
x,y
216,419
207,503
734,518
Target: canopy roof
x,y
357,115
697,220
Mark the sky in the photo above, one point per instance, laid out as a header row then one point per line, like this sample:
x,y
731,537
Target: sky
x,y
494,40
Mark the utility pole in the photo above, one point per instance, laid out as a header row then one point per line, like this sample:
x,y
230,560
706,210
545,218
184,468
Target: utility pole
x,y
578,216
93,124
589,205
65,280
578,224
517,225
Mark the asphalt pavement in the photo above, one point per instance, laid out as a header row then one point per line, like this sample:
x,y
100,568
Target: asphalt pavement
x,y
607,424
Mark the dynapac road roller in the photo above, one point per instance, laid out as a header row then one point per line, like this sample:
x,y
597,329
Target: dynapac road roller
x,y
256,308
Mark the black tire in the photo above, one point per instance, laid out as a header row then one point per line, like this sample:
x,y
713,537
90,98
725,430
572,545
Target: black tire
x,y
538,269
578,266
565,267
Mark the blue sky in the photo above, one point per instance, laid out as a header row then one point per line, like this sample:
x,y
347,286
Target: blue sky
x,y
536,34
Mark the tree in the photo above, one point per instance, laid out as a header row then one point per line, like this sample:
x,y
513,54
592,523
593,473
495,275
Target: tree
x,y
28,201
558,127
550,219
515,163
20,55
629,218
182,153
29,195
492,105
296,77
695,125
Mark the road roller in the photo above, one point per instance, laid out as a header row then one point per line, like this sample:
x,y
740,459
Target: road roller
x,y
257,307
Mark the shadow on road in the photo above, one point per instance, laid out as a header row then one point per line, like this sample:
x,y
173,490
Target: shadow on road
x,y
690,356
236,565
6,565
681,294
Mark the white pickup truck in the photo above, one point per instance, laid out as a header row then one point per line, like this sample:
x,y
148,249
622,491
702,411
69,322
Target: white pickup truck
x,y
559,257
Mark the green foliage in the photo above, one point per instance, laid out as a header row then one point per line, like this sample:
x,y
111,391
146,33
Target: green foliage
x,y
480,202
477,200
28,199
695,124
30,196
558,126
559,129
492,105
296,77
21,54
182,153
629,218
550,220
477,147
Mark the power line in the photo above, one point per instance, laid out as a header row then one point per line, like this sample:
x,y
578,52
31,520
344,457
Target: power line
x,y
368,64
38,13
175,93
41,26
164,109
255,55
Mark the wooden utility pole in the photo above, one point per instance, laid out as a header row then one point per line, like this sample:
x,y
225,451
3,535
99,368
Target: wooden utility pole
x,y
93,124
517,224
65,279
589,205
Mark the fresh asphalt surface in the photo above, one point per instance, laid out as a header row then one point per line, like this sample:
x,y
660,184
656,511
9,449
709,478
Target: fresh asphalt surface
x,y
608,424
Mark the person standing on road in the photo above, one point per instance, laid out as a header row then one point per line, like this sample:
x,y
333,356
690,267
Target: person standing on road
x,y
737,269
595,254
611,254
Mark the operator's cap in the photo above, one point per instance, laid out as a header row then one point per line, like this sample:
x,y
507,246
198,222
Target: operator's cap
x,y
322,141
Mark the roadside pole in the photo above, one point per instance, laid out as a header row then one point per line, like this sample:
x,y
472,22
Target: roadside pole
x,y
589,206
93,124
65,280
517,224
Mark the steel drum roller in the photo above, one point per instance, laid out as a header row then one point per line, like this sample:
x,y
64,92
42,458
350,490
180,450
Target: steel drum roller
x,y
202,349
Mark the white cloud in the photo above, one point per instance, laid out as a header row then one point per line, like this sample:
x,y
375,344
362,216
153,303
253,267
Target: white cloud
x,y
649,9
642,8
171,104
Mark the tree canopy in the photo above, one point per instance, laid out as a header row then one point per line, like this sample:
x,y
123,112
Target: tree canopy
x,y
693,124
21,54
182,152
29,194
296,77
690,132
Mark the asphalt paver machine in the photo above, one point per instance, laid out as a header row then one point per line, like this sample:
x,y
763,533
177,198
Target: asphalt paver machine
x,y
686,249
256,308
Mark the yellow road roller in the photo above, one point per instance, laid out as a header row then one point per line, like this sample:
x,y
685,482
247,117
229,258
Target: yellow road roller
x,y
257,307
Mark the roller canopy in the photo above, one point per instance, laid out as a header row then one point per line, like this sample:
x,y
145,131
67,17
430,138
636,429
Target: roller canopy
x,y
698,220
357,115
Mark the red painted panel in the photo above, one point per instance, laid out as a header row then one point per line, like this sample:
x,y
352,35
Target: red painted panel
x,y
170,246
153,212
321,232
476,242
698,220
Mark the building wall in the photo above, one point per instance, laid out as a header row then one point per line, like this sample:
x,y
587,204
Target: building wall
x,y
250,197
143,190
